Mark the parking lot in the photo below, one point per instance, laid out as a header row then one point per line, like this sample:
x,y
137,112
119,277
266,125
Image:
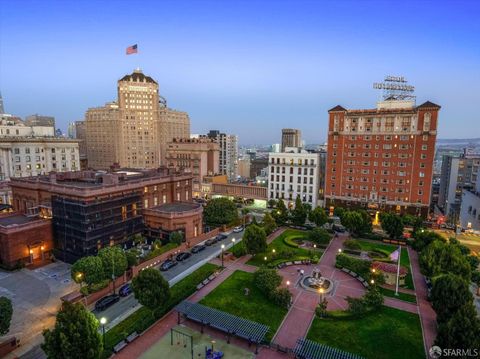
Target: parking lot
x,y
35,295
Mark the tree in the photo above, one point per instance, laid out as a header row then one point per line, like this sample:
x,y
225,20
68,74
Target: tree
x,y
280,213
299,213
132,257
423,238
321,309
318,216
75,334
319,236
281,297
271,203
440,257
356,306
220,211
269,224
267,280
339,212
6,311
373,298
176,237
88,269
150,288
461,331
392,224
449,293
255,239
353,221
114,261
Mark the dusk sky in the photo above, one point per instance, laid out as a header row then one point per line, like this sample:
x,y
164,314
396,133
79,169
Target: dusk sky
x,y
243,67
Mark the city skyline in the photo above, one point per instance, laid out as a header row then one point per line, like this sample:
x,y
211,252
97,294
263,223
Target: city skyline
x,y
231,70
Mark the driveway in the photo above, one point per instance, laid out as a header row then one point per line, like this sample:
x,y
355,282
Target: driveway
x,y
35,295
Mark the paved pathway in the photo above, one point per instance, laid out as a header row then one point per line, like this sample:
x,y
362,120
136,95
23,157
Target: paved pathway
x,y
428,317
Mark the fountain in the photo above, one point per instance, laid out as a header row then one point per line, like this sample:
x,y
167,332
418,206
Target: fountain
x,y
315,282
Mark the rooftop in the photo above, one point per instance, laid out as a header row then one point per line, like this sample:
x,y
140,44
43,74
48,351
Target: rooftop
x,y
177,207
15,220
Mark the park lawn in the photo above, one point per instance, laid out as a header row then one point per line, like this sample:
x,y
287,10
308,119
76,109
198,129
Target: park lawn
x,y
143,318
230,297
387,249
386,333
280,246
402,296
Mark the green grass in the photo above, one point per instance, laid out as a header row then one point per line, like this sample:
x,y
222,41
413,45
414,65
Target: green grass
x,y
230,297
402,296
143,318
386,333
281,247
387,249
159,251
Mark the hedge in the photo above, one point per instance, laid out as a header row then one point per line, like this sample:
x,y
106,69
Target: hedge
x,y
359,266
143,318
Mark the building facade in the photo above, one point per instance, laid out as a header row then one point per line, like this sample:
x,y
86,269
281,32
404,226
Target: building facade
x,y
293,174
81,136
291,138
228,145
39,120
458,173
133,131
30,156
198,156
91,210
382,158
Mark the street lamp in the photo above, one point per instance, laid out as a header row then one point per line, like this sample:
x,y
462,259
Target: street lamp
x,y
315,246
372,282
265,258
339,250
103,321
223,247
321,294
288,283
233,240
273,250
79,278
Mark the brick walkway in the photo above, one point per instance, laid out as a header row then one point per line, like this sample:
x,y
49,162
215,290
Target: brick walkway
x,y
428,317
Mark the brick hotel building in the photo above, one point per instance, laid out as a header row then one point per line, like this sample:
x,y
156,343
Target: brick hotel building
x,y
382,158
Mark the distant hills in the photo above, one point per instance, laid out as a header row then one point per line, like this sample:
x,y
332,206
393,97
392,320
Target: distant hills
x,y
452,141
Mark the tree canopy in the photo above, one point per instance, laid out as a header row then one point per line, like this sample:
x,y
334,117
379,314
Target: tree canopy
x,y
318,216
280,213
89,270
114,261
440,257
150,288
449,293
220,211
268,223
75,334
299,213
319,236
6,311
255,239
461,331
357,222
392,224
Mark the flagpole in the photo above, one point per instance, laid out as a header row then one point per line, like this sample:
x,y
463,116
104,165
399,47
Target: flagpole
x,y
398,268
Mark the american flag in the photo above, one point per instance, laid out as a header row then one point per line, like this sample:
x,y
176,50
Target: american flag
x,y
132,49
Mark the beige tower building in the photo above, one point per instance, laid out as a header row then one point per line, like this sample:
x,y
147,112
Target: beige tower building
x,y
200,156
291,138
133,132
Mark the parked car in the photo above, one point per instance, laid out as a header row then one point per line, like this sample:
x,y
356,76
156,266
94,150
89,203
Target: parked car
x,y
106,302
125,290
338,228
198,248
238,229
210,241
166,265
220,237
183,255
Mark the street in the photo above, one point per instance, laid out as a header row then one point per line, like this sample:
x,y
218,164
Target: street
x,y
129,304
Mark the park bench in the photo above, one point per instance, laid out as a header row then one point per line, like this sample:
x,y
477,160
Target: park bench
x,y
345,270
297,262
132,337
200,286
119,346
212,277
205,282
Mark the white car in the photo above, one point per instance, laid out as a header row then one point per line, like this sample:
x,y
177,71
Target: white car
x,y
238,229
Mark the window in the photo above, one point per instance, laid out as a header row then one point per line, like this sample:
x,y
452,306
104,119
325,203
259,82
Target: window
x,y
16,151
421,174
424,147
145,203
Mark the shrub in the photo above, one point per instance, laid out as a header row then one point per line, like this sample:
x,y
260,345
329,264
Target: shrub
x,y
289,241
356,306
352,244
239,250
281,297
373,298
359,266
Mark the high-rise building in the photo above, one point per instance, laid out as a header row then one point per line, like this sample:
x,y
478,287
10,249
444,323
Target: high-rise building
x,y
39,120
244,167
81,136
294,173
228,153
458,173
198,156
133,131
71,130
382,158
291,138
275,148
470,207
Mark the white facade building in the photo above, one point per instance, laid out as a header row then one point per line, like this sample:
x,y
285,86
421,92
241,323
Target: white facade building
x,y
228,153
470,208
293,173
26,156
